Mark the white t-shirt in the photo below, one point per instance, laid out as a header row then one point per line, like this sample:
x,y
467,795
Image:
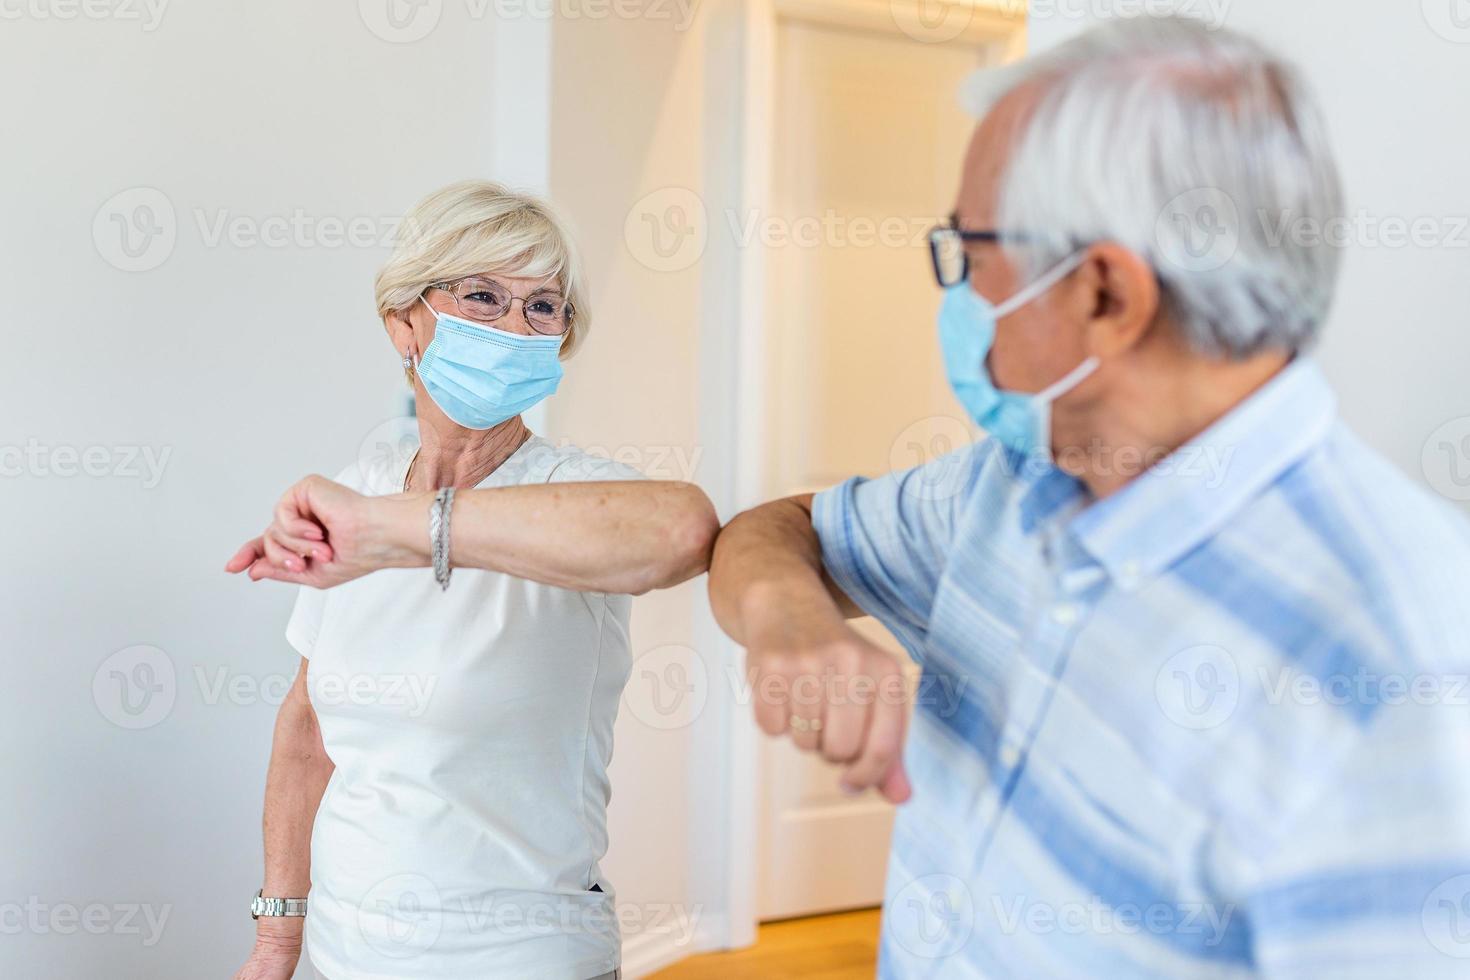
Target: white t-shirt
x,y
471,730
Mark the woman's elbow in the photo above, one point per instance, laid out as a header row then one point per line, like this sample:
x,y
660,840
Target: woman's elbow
x,y
688,538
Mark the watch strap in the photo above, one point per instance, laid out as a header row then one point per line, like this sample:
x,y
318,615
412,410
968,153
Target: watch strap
x,y
261,905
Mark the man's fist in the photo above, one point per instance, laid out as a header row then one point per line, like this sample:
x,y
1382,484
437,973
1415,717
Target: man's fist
x,y
836,694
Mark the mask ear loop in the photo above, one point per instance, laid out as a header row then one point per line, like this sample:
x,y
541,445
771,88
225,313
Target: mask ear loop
x,y
1057,273
1072,379
411,361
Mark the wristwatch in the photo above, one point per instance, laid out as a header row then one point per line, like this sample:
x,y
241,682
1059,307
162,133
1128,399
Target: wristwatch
x,y
276,906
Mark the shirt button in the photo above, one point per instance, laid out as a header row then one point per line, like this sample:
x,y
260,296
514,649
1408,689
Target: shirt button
x,y
1064,613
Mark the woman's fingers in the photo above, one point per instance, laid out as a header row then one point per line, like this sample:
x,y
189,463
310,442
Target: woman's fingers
x,y
306,533
264,569
280,554
297,533
246,556
291,540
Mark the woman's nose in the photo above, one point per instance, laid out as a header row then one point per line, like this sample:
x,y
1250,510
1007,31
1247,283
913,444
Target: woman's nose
x,y
515,318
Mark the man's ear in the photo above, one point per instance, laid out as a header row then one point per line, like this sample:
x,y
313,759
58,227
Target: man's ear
x,y
1124,295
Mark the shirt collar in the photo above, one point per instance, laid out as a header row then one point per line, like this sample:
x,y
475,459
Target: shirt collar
x,y
1186,498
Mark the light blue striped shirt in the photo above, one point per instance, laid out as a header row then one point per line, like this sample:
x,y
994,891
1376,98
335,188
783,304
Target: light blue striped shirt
x,y
1215,725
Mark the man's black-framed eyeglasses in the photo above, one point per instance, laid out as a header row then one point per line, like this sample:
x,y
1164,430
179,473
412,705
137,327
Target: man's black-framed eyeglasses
x,y
949,254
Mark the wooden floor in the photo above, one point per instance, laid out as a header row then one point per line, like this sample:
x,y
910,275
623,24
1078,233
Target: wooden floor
x,y
825,947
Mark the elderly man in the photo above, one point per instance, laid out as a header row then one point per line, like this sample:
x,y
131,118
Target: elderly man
x,y
1210,650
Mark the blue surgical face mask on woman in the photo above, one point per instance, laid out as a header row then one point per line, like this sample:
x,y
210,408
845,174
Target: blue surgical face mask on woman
x,y
480,376
1020,421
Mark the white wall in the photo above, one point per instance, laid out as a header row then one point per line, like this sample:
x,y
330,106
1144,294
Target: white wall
x,y
1392,77
248,364
646,129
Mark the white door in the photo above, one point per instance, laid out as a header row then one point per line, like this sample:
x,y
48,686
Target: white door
x,y
868,141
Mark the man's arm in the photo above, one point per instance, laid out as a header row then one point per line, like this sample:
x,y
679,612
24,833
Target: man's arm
x,y
297,778
615,536
773,546
811,674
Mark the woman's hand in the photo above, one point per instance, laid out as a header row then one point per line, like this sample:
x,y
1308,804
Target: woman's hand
x,y
272,958
322,534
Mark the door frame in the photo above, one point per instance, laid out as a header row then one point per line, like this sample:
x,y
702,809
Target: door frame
x,y
738,409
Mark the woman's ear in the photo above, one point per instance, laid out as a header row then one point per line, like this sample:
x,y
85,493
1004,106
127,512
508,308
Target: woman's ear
x,y
1124,295
404,341
400,331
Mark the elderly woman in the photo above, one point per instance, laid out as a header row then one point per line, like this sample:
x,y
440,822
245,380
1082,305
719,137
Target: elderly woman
x,y
439,773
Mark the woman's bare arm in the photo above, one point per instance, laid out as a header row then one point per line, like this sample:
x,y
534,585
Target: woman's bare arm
x,y
618,536
297,778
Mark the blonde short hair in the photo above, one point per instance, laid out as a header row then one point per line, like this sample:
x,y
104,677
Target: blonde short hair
x,y
478,226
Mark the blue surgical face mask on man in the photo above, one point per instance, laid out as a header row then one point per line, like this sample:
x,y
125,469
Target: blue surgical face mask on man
x,y
1018,420
480,376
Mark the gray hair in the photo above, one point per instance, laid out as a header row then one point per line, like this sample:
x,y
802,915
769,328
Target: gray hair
x,y
1159,133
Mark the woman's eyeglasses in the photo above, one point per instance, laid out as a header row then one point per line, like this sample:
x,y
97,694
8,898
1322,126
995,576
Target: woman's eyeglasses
x,y
485,301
